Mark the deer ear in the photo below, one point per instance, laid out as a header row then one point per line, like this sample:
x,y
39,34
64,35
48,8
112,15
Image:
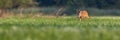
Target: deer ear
x,y
77,11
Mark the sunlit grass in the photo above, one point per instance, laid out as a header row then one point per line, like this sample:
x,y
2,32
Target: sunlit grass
x,y
61,28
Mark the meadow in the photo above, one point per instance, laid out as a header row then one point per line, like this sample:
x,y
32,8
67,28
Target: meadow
x,y
60,28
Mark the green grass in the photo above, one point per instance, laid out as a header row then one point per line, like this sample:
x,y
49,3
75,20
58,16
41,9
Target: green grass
x,y
61,28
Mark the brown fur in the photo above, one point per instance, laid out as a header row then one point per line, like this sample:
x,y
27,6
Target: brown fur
x,y
83,14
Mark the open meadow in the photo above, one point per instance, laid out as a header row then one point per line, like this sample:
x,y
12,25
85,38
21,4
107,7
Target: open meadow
x,y
60,28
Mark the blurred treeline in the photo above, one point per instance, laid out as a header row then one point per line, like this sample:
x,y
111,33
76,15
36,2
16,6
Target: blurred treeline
x,y
104,4
68,7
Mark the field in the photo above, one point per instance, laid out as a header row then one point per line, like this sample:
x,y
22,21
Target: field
x,y
61,28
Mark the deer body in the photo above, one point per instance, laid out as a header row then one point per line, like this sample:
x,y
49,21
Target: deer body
x,y
83,14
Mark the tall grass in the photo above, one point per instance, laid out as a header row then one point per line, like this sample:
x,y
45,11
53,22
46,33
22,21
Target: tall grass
x,y
61,28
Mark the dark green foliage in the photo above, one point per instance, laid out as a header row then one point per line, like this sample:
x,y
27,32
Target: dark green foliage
x,y
5,4
104,4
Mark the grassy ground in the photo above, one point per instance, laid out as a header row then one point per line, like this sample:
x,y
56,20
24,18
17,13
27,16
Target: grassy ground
x,y
61,28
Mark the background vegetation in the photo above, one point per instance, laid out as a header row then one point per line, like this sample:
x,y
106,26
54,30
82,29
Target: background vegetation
x,y
94,7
